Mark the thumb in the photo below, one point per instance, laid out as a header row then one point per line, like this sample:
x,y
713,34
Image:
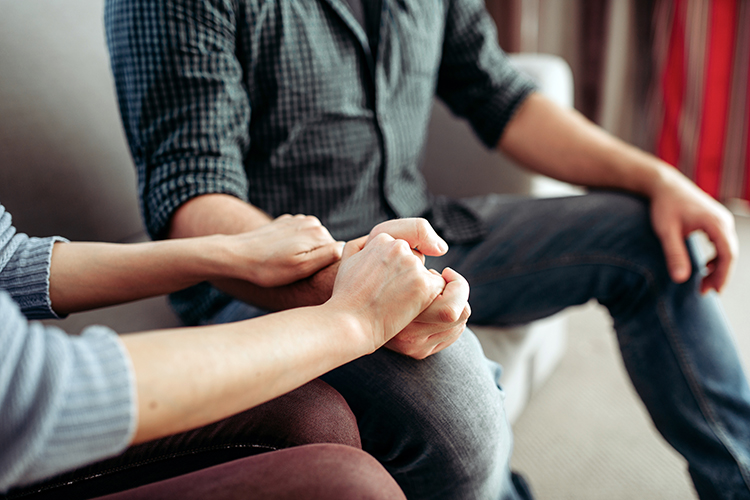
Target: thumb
x,y
676,254
353,247
416,231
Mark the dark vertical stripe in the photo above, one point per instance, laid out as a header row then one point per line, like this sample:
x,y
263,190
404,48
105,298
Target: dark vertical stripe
x,y
593,43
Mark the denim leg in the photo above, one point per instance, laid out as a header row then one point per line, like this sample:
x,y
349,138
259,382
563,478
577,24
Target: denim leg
x,y
545,255
437,425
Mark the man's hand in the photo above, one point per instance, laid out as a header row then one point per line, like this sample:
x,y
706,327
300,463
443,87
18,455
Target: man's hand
x,y
564,145
441,324
444,320
679,207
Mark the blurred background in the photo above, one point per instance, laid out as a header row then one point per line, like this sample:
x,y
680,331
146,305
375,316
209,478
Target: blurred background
x,y
670,76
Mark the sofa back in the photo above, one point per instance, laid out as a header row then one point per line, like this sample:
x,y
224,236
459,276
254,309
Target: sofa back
x,y
64,164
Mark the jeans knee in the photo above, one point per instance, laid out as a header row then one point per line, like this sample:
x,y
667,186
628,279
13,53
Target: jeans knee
x,y
467,438
460,431
634,265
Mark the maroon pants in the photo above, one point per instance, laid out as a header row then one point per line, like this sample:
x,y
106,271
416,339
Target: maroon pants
x,y
314,471
272,451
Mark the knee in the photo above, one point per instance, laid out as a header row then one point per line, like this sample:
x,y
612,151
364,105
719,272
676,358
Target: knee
x,y
469,432
456,427
313,413
342,472
323,471
627,245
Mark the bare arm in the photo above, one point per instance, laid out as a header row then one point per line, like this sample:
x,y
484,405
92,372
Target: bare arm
x,y
89,275
437,328
564,145
213,372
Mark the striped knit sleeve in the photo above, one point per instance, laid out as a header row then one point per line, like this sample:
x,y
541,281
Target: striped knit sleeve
x,y
64,401
25,267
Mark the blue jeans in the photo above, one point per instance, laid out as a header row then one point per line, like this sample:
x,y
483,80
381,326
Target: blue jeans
x,y
438,425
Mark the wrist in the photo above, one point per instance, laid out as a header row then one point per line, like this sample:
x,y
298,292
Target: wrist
x,y
215,258
356,331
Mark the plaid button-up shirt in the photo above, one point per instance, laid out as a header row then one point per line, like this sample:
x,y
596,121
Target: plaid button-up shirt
x,y
285,104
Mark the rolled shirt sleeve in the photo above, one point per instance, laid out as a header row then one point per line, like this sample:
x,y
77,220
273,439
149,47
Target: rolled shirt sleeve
x,y
182,101
476,79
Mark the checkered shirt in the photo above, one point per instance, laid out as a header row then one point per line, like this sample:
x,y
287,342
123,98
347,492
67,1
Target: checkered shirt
x,y
284,104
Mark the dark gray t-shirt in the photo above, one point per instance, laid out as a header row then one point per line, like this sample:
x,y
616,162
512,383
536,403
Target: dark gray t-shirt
x,y
367,12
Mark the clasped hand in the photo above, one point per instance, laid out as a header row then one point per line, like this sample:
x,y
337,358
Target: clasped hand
x,y
412,310
381,278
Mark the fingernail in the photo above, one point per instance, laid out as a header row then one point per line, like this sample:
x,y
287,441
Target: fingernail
x,y
680,273
442,246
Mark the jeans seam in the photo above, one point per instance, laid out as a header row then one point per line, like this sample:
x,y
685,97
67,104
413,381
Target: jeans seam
x,y
687,371
133,465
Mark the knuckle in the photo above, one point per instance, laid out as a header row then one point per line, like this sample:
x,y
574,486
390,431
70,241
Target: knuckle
x,y
311,219
449,314
319,231
379,240
402,247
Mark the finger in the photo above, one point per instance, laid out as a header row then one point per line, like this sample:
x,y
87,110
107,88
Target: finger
x,y
720,266
323,255
676,254
418,254
447,339
709,281
417,232
420,342
353,247
452,305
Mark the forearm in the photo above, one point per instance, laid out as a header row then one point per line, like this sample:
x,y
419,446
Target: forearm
x,y
191,377
215,214
90,275
564,145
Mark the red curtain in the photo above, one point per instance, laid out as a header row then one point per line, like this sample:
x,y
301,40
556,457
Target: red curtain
x,y
702,96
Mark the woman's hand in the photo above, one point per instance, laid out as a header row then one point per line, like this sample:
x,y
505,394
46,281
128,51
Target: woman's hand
x,y
286,250
384,285
444,320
